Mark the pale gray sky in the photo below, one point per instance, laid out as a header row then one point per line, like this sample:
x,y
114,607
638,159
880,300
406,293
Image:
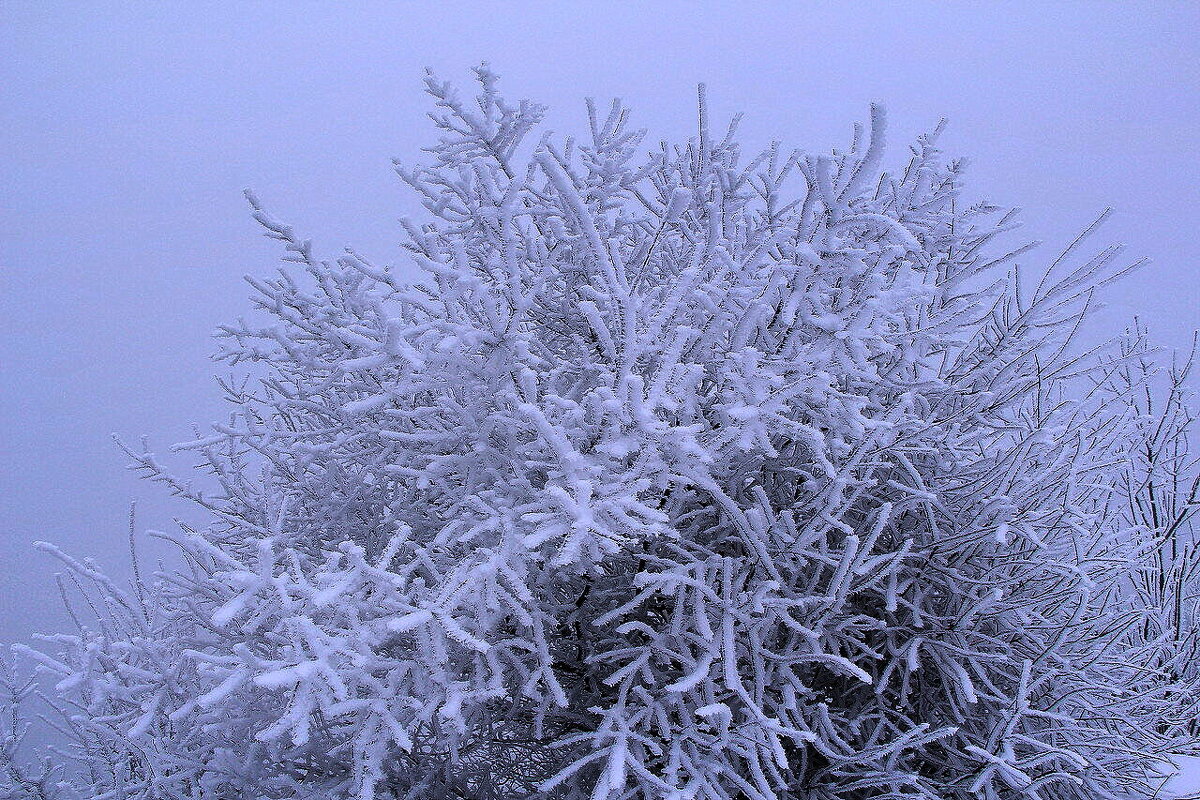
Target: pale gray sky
x,y
127,131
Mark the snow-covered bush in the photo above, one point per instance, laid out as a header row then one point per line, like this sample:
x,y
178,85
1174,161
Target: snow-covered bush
x,y
1157,501
677,476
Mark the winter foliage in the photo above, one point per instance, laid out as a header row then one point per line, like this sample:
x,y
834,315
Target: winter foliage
x,y
679,475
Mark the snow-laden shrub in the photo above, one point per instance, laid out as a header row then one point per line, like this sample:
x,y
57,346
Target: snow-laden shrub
x,y
1158,500
677,476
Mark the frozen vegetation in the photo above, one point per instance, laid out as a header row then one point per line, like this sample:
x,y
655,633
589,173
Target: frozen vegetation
x,y
679,475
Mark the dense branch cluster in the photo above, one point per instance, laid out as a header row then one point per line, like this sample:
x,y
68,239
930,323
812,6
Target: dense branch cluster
x,y
678,476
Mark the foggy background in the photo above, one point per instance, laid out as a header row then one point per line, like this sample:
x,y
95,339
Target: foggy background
x,y
127,132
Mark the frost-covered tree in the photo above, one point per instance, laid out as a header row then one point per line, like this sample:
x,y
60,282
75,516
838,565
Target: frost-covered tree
x,y
678,475
1157,503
